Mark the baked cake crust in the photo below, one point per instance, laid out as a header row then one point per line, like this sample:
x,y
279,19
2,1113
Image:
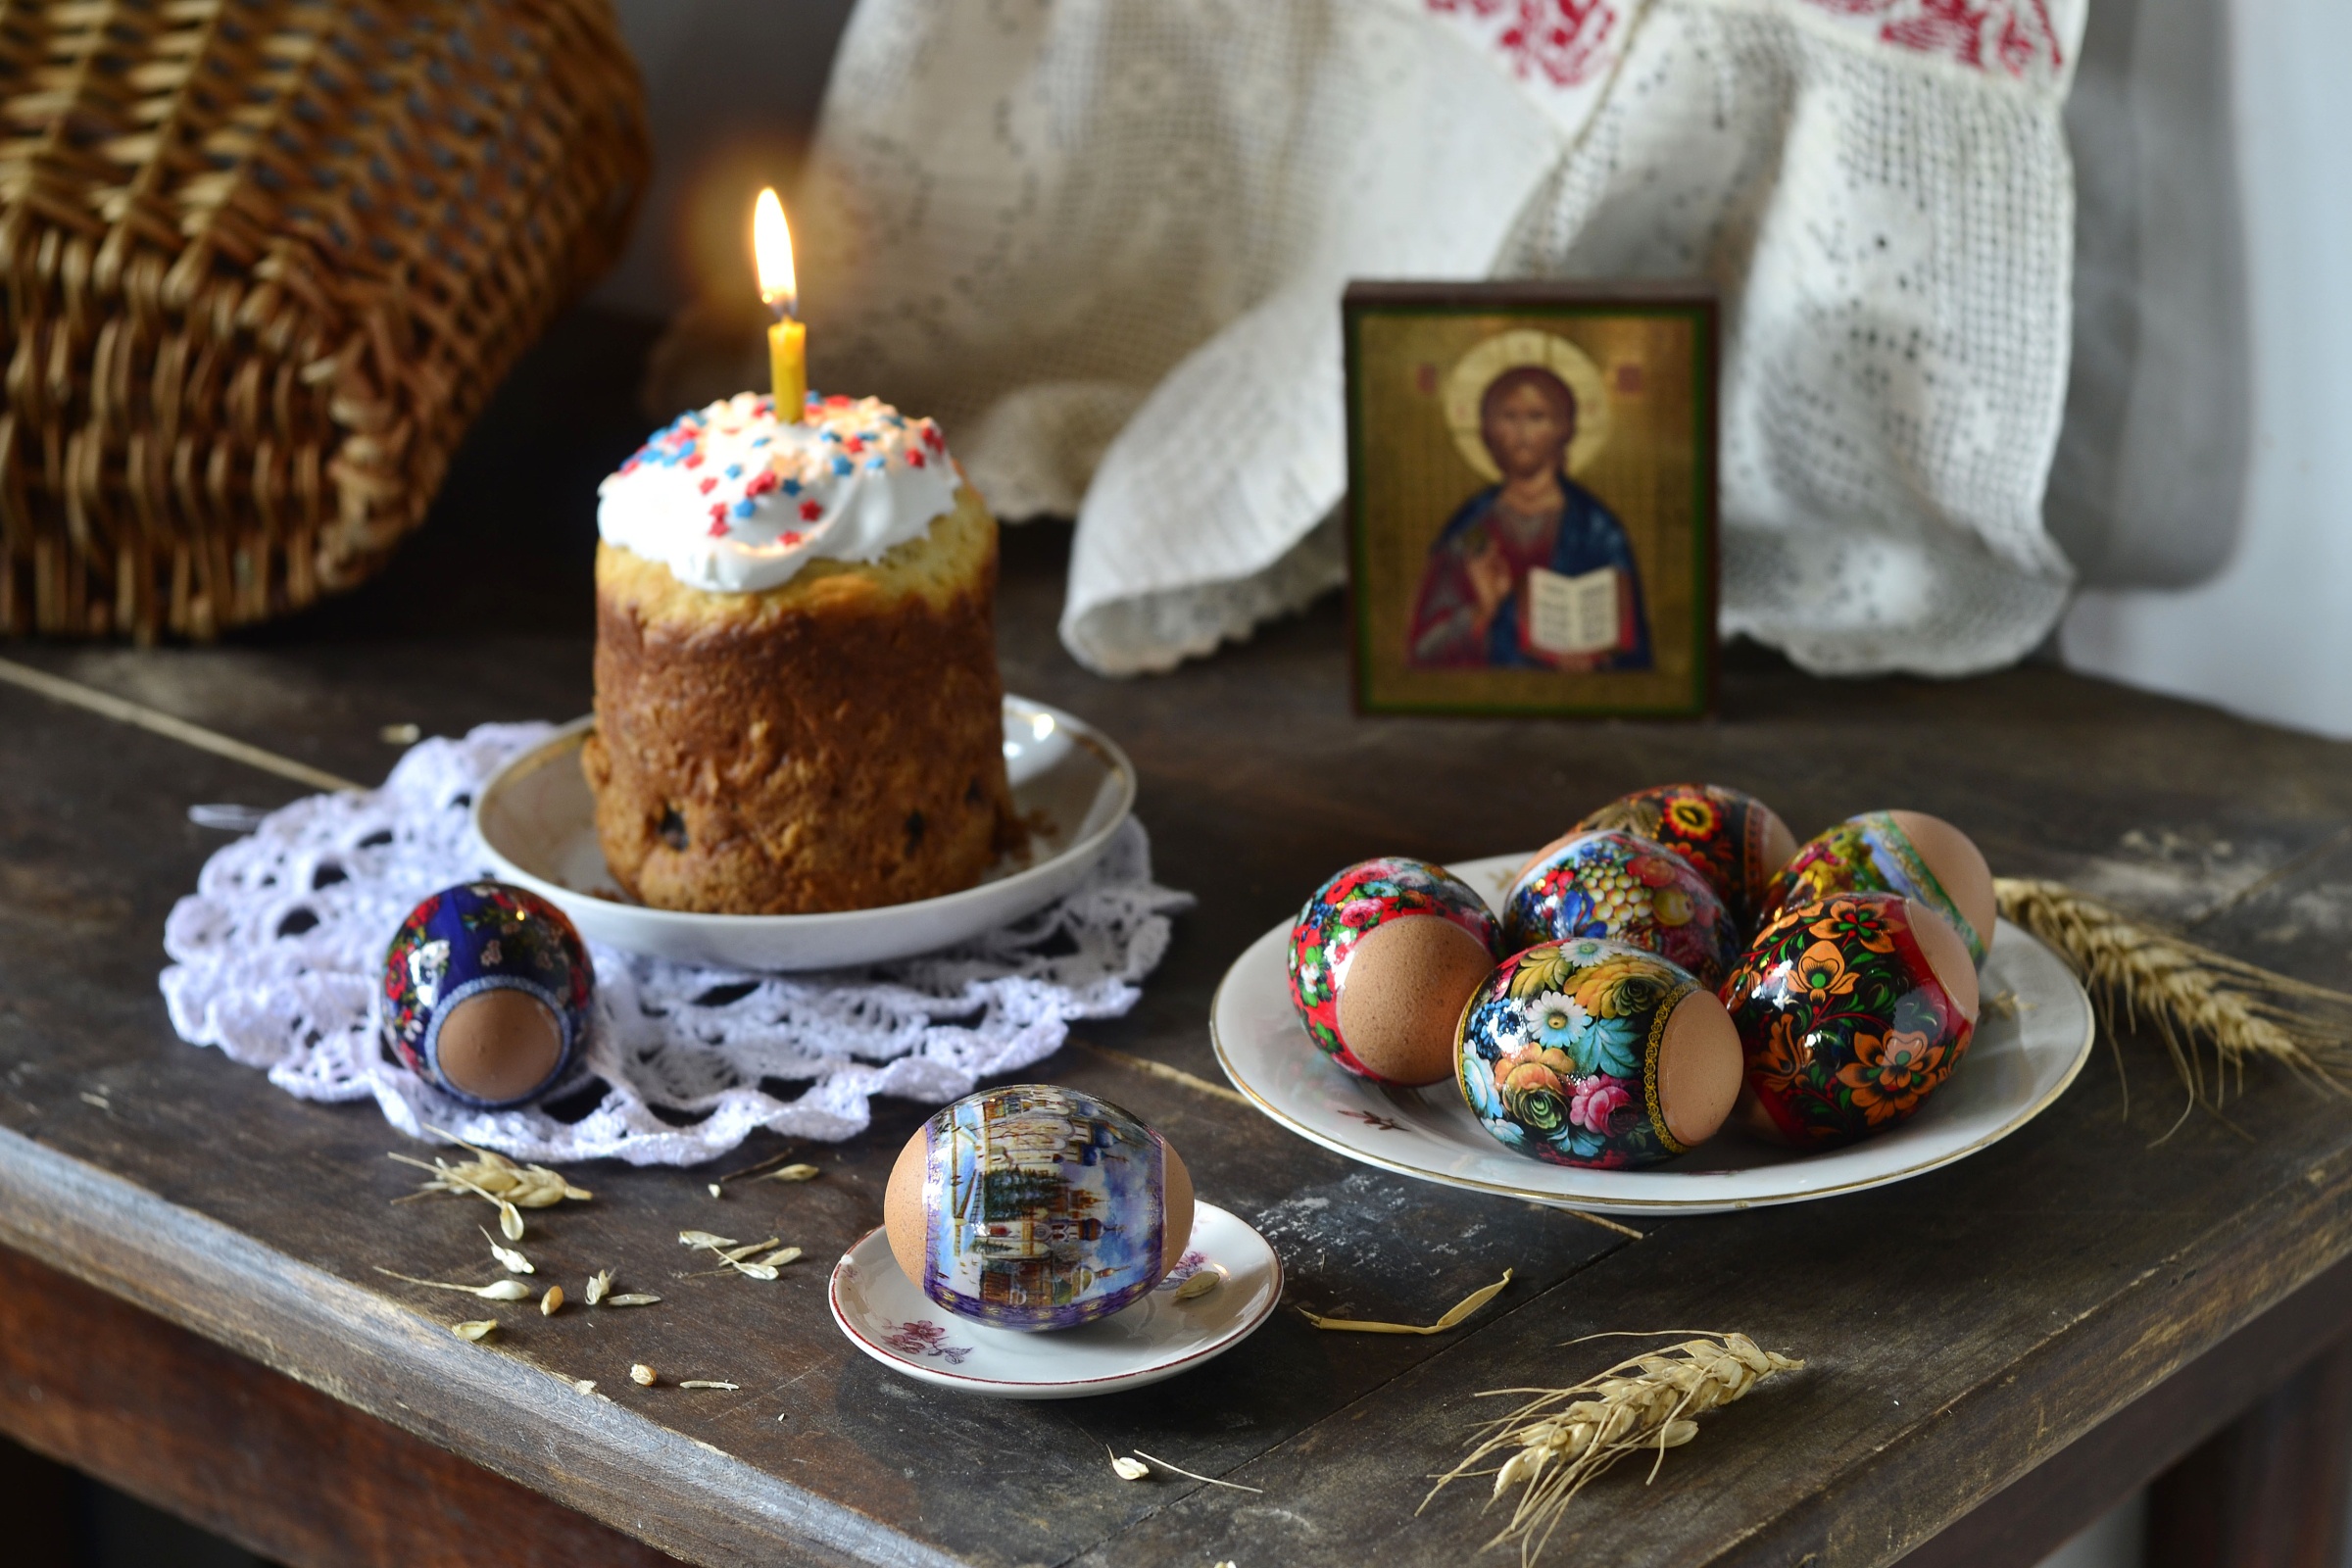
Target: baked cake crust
x,y
832,743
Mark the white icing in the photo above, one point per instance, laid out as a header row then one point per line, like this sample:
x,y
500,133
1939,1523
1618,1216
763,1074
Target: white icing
x,y
731,501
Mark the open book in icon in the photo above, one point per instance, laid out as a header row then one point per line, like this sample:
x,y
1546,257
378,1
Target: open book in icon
x,y
1567,616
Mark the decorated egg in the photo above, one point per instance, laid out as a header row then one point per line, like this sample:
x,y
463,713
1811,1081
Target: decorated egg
x,y
1597,1053
1909,853
1735,840
1621,888
1034,1206
486,992
1852,1011
1382,959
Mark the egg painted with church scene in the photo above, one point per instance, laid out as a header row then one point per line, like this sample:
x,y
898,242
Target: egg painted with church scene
x,y
1033,1207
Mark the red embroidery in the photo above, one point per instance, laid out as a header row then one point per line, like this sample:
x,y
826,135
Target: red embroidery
x,y
2015,37
1564,39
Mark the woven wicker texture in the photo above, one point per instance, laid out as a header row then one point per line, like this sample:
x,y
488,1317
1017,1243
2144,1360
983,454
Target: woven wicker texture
x,y
264,261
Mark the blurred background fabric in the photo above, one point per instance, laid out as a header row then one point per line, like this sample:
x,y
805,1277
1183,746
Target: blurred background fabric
x,y
2157,236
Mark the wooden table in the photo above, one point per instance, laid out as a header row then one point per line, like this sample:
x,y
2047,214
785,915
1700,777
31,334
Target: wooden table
x,y
190,1307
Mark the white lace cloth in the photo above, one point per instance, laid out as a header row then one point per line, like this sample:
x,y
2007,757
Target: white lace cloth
x,y
1104,241
276,959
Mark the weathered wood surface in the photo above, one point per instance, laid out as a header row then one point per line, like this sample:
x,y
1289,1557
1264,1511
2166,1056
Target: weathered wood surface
x,y
283,1470
1960,1328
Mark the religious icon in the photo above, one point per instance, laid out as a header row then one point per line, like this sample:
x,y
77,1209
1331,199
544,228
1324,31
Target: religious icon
x,y
1532,497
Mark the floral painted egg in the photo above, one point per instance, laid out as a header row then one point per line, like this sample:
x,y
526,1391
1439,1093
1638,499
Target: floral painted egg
x,y
1596,1052
1910,853
486,993
1034,1206
1625,889
1735,840
1852,1011
1382,959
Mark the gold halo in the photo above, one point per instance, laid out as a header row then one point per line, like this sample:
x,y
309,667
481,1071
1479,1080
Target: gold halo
x,y
1467,383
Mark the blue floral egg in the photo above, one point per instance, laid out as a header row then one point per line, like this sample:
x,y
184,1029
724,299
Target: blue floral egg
x,y
1620,888
1596,1052
486,993
1034,1206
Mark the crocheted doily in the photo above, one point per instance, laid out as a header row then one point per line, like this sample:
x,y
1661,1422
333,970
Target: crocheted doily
x,y
275,960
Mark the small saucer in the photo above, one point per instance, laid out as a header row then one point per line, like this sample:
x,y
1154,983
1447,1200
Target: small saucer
x,y
890,1319
537,819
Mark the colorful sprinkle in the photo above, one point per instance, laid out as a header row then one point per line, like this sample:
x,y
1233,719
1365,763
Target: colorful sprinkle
x,y
811,511
843,465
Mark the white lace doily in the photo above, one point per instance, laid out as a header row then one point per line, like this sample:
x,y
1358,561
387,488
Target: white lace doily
x,y
276,956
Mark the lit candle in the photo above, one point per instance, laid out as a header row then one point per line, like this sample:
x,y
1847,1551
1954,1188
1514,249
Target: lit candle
x,y
787,339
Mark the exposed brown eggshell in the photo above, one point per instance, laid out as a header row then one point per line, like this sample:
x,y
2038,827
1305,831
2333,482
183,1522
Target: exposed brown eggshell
x,y
1946,954
902,1207
1956,861
1176,1203
1403,994
499,1045
1700,1068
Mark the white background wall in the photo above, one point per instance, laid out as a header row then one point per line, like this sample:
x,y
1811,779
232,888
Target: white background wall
x,y
2272,636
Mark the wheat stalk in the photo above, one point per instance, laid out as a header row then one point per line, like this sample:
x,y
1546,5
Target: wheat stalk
x,y
2194,998
1565,1438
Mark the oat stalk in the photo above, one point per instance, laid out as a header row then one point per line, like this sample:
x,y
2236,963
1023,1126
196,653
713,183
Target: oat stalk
x,y
1558,1442
2213,1012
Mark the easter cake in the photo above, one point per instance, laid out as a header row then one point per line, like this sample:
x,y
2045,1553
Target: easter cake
x,y
797,700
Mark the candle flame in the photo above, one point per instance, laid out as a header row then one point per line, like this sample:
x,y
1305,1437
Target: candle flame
x,y
771,248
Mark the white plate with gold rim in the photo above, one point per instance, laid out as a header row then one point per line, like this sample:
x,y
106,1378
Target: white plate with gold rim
x,y
888,1317
537,819
2028,1047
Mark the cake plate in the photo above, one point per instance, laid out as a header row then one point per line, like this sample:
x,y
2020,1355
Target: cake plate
x,y
890,1319
2033,1036
537,819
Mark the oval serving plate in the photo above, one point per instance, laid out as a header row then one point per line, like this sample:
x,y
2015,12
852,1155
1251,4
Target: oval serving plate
x,y
537,819
2024,1054
884,1315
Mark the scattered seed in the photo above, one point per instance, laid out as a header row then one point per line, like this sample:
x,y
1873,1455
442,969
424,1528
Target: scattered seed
x,y
551,1300
642,1375
598,1284
584,1385
631,1299
731,1253
1127,1469
710,1383
477,1330
511,1260
797,1173
704,1239
714,1189
1200,1284
501,1291
400,734
781,1257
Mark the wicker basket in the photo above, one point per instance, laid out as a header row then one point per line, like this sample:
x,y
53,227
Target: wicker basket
x,y
264,261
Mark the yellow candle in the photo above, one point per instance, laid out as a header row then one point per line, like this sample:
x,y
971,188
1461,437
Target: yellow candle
x,y
788,368
787,339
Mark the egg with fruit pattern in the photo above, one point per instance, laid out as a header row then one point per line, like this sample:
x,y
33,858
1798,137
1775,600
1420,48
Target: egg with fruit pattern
x,y
1616,887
